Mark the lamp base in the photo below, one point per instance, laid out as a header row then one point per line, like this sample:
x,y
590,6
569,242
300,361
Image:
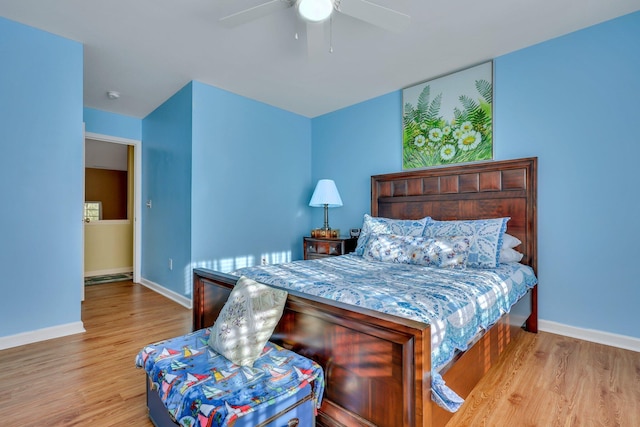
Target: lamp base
x,y
331,233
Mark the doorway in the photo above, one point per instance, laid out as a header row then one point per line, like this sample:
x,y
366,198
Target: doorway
x,y
113,226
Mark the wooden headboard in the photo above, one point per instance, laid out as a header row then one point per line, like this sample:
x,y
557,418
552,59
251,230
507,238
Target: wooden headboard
x,y
494,189
505,188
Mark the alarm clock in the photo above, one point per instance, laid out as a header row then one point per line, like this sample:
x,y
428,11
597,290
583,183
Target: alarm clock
x,y
354,232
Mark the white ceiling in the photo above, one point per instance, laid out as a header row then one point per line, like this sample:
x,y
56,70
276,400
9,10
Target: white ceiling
x,y
148,49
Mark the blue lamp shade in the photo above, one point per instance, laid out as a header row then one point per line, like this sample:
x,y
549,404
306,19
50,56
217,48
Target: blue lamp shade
x,y
327,194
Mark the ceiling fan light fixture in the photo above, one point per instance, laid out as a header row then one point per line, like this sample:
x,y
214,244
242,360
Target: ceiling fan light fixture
x,y
315,10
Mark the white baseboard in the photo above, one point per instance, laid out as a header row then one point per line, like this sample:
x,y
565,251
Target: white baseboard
x,y
606,338
41,335
119,270
173,296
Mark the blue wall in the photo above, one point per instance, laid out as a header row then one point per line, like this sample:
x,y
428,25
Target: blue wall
x,y
349,146
112,124
251,181
235,171
573,103
40,168
166,182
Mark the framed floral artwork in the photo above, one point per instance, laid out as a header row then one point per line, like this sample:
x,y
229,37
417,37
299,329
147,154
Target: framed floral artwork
x,y
449,119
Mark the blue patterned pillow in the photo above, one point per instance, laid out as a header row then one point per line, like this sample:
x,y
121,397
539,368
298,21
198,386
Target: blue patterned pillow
x,y
485,234
379,225
443,253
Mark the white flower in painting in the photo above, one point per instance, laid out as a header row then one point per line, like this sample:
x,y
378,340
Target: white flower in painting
x,y
435,134
423,126
469,140
419,141
457,134
448,151
446,130
466,127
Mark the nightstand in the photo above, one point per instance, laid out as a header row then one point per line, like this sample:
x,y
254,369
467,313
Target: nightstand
x,y
320,247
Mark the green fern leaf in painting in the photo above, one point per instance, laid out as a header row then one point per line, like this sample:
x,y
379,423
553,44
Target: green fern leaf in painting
x,y
434,109
485,89
423,99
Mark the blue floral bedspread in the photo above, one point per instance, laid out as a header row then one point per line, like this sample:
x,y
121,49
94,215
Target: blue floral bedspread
x,y
199,387
458,304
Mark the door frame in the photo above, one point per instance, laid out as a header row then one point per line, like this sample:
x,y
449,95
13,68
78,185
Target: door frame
x,y
137,194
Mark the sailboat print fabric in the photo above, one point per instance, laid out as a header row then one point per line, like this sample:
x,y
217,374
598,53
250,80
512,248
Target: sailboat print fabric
x,y
200,387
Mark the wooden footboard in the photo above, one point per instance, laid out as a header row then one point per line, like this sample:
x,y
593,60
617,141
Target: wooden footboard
x,y
377,366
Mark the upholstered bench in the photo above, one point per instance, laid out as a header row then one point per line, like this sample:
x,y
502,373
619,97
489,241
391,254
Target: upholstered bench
x,y
189,384
229,374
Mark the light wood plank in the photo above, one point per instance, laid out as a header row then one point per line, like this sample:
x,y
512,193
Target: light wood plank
x,y
549,380
90,378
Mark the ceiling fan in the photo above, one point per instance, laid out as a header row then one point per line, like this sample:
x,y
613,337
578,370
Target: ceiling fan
x,y
314,12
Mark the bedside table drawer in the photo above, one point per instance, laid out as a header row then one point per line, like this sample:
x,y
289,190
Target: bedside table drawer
x,y
322,247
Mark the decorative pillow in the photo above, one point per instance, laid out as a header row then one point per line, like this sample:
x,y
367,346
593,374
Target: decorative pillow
x,y
443,253
510,255
509,241
486,238
388,248
379,225
452,252
247,321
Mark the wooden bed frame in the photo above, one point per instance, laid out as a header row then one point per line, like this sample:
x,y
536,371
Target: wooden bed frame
x,y
377,366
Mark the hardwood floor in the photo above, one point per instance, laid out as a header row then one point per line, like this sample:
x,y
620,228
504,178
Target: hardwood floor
x,y
90,379
549,380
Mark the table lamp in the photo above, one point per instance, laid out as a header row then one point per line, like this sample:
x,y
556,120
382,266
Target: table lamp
x,y
325,195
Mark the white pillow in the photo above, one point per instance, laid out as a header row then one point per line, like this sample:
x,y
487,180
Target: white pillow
x,y
510,255
247,321
509,241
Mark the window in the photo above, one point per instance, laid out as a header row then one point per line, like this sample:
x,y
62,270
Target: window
x,y
93,211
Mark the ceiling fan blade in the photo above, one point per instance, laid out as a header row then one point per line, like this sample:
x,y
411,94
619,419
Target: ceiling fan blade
x,y
254,13
374,14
